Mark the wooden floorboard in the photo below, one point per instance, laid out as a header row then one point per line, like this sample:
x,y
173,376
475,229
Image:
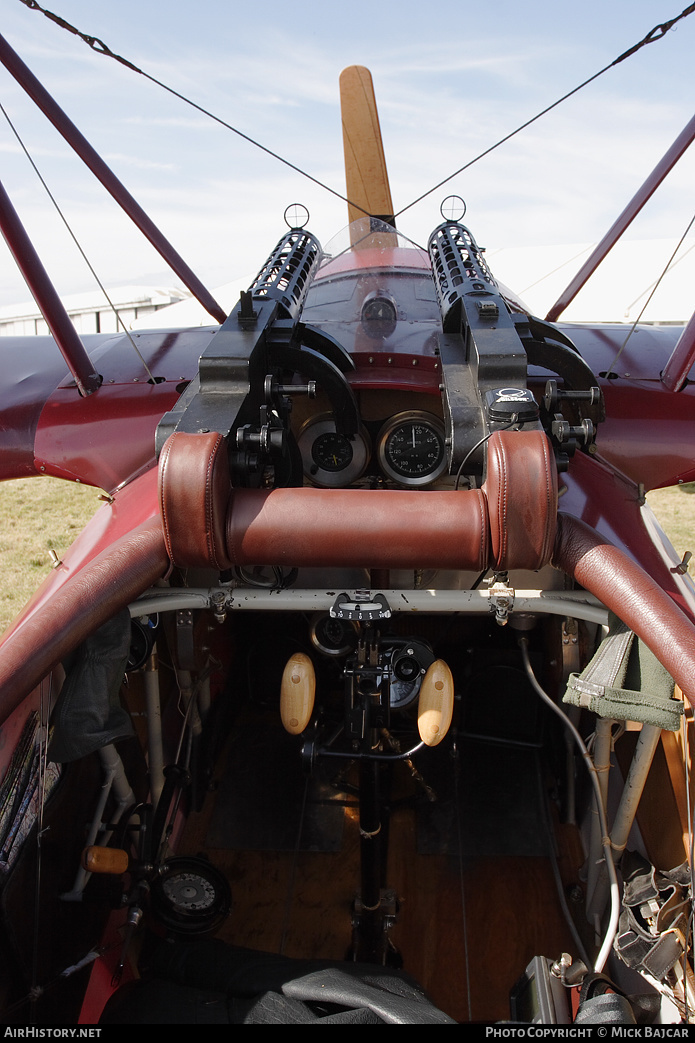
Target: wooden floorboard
x,y
465,937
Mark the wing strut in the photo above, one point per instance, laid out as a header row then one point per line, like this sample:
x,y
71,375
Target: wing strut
x,y
628,215
14,64
674,375
45,295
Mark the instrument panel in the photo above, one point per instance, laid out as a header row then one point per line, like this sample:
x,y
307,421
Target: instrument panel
x,y
407,449
332,460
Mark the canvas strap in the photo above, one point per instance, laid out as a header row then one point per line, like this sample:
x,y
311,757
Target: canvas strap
x,y
625,681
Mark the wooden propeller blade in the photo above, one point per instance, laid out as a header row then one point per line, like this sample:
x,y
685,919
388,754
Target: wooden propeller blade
x,y
365,165
436,703
297,691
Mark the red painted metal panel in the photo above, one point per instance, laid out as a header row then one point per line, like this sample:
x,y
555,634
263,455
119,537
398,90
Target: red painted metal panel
x,y
46,427
104,440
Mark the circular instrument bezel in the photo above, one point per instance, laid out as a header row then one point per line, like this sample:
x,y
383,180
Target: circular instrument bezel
x,y
191,896
312,432
379,315
343,639
385,441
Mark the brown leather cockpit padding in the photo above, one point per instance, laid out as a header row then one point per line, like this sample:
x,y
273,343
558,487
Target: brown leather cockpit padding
x,y
367,528
194,490
521,491
625,588
104,586
508,524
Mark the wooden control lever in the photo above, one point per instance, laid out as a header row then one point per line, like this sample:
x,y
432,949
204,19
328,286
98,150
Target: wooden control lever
x,y
436,703
297,692
105,860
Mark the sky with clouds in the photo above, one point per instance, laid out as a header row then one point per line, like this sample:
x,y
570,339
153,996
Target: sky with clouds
x,y
451,79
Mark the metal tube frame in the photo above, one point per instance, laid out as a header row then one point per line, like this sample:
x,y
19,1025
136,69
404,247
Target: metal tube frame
x,y
223,600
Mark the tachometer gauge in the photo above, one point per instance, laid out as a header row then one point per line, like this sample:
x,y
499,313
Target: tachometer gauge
x,y
411,448
330,459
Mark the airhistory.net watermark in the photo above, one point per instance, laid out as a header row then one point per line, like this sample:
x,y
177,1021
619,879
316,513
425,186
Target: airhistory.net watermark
x,y
33,1032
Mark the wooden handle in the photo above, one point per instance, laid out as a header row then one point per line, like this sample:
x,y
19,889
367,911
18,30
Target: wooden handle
x,y
436,703
105,860
297,693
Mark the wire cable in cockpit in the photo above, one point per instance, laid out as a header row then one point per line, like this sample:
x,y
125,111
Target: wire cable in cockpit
x,y
514,420
612,928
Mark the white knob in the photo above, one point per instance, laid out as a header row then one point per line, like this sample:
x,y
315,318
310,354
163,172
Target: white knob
x,y
436,703
297,693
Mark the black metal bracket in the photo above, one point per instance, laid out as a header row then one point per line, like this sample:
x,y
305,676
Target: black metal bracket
x,y
480,348
235,393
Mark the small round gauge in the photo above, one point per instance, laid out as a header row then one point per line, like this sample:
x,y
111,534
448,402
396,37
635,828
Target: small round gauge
x,y
191,897
379,315
332,637
330,459
332,451
411,448
189,891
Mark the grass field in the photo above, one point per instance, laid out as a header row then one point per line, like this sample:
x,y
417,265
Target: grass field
x,y
40,515
37,516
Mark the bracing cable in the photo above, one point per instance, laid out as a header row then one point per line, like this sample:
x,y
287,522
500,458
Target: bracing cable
x,y
612,928
555,868
119,320
657,33
654,288
102,48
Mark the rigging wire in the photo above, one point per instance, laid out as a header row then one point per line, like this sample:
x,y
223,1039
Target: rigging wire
x,y
119,320
570,260
101,48
655,287
657,33
654,34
